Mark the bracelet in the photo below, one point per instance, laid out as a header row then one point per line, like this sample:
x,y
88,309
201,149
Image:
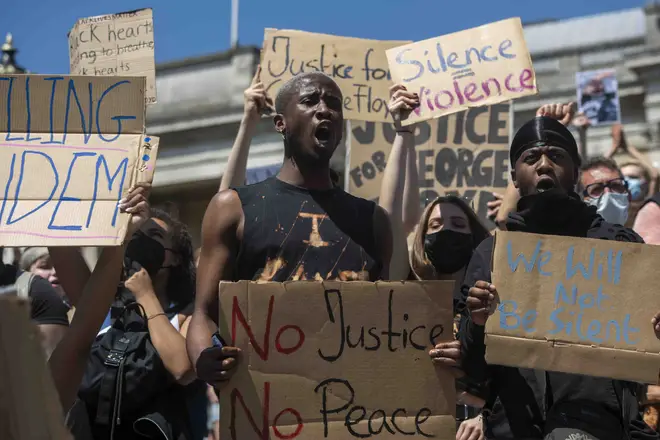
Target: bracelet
x,y
404,131
156,315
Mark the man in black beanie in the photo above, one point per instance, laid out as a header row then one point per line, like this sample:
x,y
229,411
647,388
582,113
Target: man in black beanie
x,y
533,404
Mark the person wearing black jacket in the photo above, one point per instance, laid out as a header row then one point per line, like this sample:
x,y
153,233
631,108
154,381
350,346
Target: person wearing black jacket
x,y
533,404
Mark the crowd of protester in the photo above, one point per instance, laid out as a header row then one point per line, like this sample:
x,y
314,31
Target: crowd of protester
x,y
143,319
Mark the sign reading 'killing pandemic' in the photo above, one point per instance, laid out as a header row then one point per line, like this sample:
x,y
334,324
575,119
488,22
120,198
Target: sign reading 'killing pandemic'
x,y
476,67
357,65
325,360
73,147
115,45
575,305
464,154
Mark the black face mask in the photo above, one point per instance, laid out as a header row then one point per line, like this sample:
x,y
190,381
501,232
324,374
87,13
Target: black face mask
x,y
448,251
147,248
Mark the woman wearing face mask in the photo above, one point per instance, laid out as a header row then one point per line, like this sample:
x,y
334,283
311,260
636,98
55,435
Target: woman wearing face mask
x,y
604,187
443,243
159,287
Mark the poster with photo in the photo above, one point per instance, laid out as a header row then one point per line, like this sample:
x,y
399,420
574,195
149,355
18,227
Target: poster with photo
x,y
598,96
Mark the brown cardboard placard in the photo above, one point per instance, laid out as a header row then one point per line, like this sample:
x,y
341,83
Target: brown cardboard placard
x,y
115,45
72,148
357,65
29,405
481,66
464,154
575,305
320,353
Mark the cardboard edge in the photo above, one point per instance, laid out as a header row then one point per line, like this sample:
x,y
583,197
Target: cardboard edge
x,y
593,361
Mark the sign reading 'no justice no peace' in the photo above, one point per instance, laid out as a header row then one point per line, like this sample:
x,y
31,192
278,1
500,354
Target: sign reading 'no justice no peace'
x,y
575,305
357,65
73,147
337,360
476,67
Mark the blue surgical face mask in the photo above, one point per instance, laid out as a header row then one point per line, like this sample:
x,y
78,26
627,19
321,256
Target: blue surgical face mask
x,y
612,207
635,187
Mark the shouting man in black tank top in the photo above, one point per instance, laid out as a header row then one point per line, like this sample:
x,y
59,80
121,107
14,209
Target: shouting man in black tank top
x,y
296,226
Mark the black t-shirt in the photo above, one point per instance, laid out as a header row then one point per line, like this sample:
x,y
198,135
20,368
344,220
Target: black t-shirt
x,y
293,233
47,306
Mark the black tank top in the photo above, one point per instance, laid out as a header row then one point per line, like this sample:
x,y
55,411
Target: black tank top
x,y
292,233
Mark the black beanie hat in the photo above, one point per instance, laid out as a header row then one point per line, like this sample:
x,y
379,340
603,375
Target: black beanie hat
x,y
543,130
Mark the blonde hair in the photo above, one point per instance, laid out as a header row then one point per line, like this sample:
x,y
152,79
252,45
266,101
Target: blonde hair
x,y
419,262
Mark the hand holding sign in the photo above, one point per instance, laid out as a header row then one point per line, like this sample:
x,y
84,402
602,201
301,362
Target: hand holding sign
x,y
402,102
656,324
479,301
136,203
257,102
448,354
217,364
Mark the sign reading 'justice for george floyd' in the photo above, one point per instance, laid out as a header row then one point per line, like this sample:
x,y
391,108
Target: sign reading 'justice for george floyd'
x,y
464,154
480,66
358,66
72,148
575,305
337,360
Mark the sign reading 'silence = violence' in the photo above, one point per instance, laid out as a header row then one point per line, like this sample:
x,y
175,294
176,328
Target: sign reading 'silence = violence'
x,y
464,154
357,65
325,360
575,305
480,66
72,148
115,45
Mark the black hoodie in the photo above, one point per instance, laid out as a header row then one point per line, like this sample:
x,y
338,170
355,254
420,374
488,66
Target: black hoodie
x,y
531,403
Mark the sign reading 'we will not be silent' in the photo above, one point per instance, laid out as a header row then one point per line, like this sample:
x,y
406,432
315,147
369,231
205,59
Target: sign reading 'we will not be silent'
x,y
575,305
476,67
73,147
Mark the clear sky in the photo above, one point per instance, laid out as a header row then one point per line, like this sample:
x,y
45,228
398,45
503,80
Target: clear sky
x,y
186,28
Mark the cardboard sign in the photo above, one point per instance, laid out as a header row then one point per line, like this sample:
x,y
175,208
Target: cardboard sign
x,y
465,154
358,66
337,360
73,147
598,96
575,305
480,66
29,405
115,45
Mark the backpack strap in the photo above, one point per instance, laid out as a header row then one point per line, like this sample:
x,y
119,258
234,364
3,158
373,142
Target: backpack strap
x,y
23,283
110,390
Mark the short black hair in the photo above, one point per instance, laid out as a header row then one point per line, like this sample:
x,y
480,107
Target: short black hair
x,y
293,86
604,162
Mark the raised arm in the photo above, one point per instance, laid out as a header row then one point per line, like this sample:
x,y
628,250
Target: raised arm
x,y
257,103
220,241
69,359
397,183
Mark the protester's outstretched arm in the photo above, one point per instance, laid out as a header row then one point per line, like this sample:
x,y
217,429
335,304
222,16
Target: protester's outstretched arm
x,y
392,191
72,271
257,103
219,245
168,341
69,359
411,198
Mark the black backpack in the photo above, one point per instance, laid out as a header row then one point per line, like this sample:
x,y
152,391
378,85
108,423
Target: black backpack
x,y
124,375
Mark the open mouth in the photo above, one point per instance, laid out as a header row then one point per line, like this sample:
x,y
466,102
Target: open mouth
x,y
545,183
323,134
